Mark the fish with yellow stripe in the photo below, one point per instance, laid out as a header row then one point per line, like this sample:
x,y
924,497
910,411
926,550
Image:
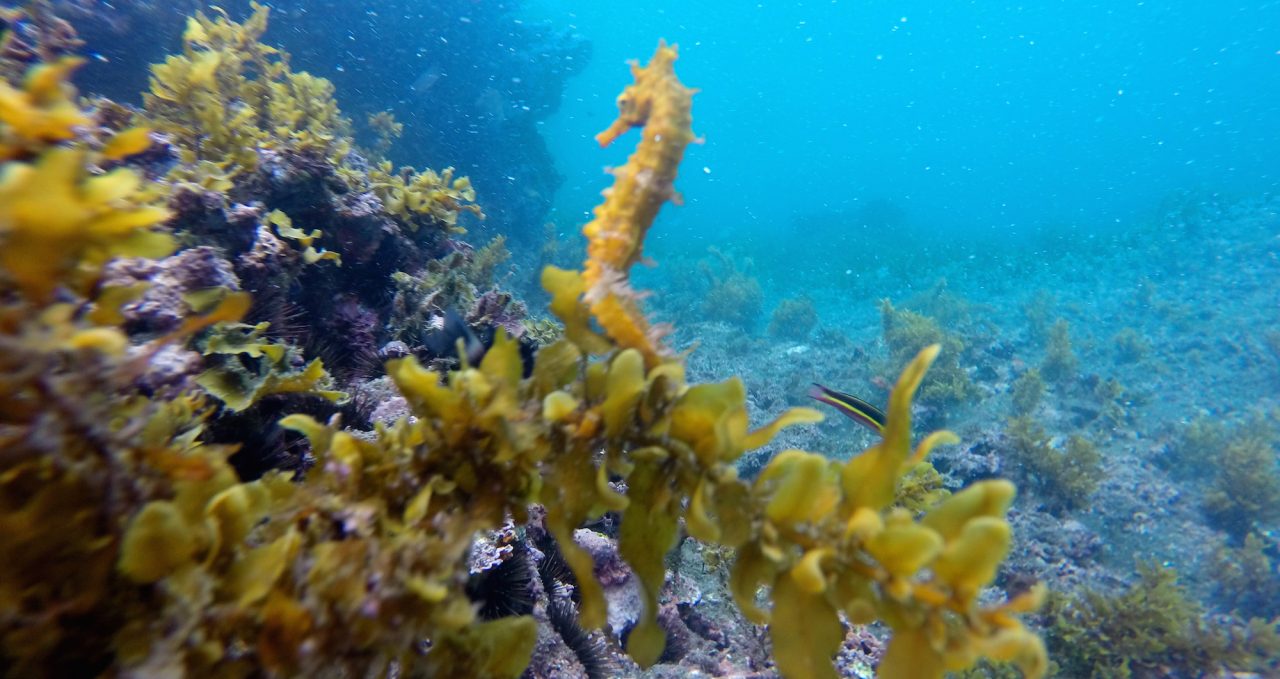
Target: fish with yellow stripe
x,y
851,406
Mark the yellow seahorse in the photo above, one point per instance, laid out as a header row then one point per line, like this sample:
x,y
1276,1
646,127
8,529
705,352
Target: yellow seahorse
x,y
659,103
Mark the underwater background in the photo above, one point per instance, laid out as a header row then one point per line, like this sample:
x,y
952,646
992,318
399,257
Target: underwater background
x,y
261,415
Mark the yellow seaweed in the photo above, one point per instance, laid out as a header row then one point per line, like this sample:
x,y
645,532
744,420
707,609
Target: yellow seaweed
x,y
58,225
126,143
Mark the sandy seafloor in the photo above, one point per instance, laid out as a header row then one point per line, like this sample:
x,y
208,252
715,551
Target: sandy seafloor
x,y
1199,288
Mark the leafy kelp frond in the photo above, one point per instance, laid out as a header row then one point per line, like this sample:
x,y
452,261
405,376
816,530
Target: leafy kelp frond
x,y
228,95
410,195
58,223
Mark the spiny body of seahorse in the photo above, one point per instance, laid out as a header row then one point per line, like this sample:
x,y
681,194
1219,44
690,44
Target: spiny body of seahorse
x,y
659,103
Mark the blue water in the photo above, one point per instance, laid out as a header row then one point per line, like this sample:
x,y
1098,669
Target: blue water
x,y
970,116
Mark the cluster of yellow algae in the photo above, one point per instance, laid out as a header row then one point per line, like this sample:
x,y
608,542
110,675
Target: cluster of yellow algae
x,y
239,387
228,96
80,449
387,130
133,548
440,196
58,224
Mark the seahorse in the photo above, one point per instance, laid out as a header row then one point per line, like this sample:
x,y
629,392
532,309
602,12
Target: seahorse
x,y
659,103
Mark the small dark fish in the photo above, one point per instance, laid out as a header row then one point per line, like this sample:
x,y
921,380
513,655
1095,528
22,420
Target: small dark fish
x,y
853,407
443,342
